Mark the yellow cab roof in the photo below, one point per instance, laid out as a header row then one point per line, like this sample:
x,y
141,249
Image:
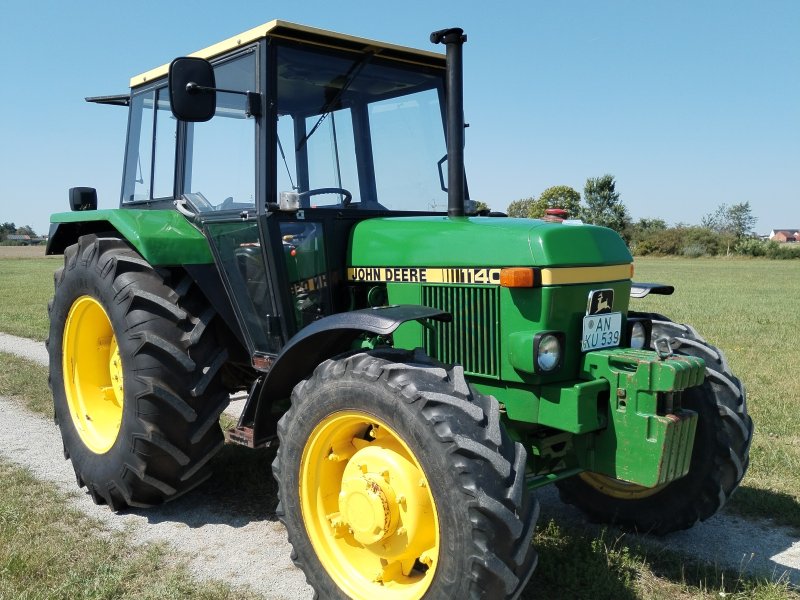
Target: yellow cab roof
x,y
303,33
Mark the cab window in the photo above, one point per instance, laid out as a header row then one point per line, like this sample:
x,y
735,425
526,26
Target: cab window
x,y
220,154
358,131
150,157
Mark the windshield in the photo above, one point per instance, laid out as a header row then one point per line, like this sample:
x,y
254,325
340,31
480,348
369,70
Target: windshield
x,y
359,131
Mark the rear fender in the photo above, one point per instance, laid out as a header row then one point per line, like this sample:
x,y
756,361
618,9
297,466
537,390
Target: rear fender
x,y
162,237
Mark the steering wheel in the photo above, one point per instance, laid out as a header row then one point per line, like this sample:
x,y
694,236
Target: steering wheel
x,y
347,196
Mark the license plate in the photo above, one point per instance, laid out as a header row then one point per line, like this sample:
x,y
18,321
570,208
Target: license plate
x,y
601,331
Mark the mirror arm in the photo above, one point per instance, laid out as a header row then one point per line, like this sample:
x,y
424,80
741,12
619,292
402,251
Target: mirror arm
x,y
253,98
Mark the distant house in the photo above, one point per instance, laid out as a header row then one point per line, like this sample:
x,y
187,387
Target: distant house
x,y
785,235
25,240
15,237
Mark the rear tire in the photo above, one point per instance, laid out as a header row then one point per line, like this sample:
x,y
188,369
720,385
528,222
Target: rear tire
x,y
720,456
472,474
151,439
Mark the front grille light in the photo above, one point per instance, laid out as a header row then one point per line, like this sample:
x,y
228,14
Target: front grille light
x,y
639,333
548,351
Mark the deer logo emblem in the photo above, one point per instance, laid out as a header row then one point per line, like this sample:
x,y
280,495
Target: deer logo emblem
x,y
602,302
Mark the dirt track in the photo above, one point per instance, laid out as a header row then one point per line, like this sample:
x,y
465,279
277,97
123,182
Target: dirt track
x,y
229,540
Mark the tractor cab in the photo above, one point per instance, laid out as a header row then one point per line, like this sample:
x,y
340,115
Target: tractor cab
x,y
288,136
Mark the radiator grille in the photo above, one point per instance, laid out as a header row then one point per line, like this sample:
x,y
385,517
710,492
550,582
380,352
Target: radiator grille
x,y
471,339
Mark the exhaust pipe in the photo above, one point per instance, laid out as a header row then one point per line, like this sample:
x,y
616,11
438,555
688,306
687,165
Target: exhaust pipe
x,y
454,39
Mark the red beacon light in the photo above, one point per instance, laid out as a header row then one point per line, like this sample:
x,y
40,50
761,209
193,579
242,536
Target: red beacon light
x,y
555,215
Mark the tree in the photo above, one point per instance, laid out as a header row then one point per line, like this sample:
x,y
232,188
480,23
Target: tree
x,y
603,206
482,207
525,208
6,229
27,230
643,235
741,220
562,196
733,222
649,225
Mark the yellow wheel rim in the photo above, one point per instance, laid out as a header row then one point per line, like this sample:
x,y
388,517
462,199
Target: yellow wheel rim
x,y
368,509
617,488
92,374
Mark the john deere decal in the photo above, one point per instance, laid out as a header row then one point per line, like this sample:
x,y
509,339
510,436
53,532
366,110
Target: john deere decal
x,y
423,275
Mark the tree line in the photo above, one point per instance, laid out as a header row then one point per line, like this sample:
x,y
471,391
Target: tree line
x,y
725,231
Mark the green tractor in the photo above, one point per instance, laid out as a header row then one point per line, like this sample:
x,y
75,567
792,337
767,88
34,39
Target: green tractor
x,y
295,223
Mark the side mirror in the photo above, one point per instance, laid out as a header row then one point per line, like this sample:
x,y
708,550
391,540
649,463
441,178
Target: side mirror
x,y
192,94
83,198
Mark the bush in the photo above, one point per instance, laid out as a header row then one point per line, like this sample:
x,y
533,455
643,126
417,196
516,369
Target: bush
x,y
667,241
693,242
681,241
783,251
694,251
751,247
710,241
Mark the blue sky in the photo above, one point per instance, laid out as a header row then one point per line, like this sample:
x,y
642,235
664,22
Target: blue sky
x,y
688,104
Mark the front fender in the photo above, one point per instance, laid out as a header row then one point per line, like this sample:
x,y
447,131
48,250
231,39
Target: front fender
x,y
319,341
640,290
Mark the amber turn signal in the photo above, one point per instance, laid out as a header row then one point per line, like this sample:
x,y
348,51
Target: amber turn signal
x,y
517,277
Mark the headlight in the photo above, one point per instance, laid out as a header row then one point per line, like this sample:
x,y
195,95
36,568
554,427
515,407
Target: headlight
x,y
547,349
638,336
639,333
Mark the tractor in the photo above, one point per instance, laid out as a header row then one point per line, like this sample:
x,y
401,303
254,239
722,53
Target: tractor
x,y
295,223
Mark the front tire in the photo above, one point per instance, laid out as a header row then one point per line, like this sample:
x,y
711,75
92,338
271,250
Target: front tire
x,y
134,372
397,480
720,456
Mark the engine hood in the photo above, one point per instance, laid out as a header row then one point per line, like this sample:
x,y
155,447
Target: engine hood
x,y
482,242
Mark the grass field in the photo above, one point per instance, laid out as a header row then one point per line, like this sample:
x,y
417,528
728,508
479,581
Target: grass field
x,y
749,308
26,285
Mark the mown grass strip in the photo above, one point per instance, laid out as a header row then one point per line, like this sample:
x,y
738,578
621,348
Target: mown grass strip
x,y
48,550
26,381
575,562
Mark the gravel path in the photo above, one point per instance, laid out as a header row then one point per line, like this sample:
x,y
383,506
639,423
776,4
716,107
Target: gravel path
x,y
228,540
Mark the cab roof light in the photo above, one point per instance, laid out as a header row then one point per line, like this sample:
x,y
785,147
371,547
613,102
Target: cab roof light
x,y
518,277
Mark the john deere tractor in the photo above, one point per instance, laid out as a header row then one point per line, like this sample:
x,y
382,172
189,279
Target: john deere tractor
x,y
295,223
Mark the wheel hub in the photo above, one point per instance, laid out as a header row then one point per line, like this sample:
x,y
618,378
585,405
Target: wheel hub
x,y
93,374
115,371
369,508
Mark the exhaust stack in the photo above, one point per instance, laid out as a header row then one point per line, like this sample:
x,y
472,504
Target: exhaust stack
x,y
454,39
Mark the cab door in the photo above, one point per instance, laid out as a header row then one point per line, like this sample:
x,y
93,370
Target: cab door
x,y
220,182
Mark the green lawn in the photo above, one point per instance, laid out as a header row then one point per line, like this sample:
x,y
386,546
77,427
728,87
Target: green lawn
x,y
49,551
26,286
